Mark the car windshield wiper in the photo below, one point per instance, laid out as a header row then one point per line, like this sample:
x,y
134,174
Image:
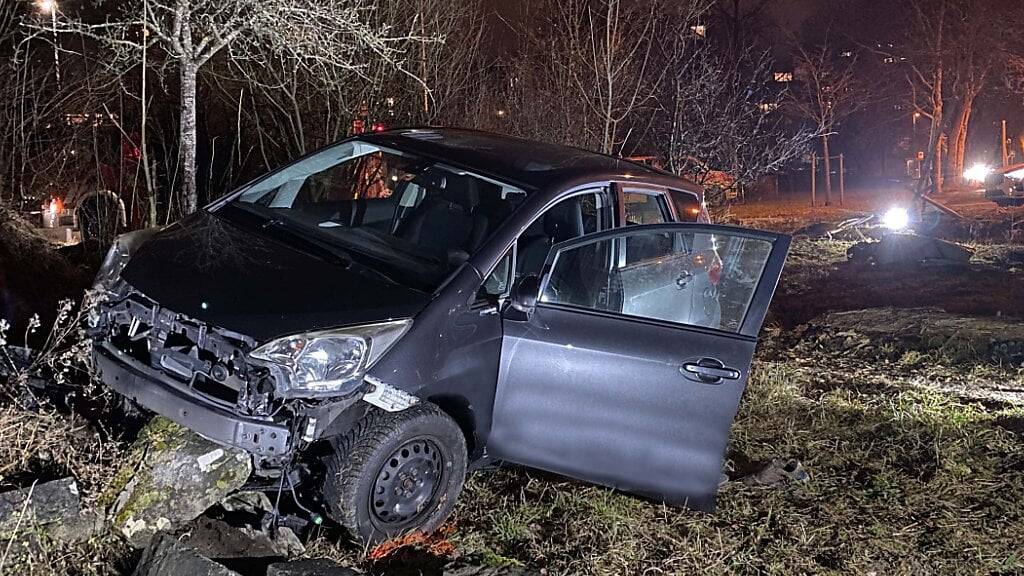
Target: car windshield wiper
x,y
335,253
320,247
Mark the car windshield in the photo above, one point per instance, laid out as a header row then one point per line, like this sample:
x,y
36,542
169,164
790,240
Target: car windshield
x,y
411,215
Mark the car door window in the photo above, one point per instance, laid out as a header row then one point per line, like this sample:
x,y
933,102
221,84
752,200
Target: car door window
x,y
571,218
644,208
694,278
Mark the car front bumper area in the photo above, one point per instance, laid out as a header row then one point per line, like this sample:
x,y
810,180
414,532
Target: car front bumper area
x,y
174,400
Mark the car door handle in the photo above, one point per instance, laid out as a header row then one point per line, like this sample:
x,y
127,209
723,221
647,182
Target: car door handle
x,y
709,371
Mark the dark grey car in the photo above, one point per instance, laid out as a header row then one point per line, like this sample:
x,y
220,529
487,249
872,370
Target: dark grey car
x,y
382,315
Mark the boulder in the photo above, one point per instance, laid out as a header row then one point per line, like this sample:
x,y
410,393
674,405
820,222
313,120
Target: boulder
x,y
166,556
217,539
249,502
172,476
310,567
49,512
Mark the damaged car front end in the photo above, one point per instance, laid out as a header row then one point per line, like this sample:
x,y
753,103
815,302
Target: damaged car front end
x,y
270,400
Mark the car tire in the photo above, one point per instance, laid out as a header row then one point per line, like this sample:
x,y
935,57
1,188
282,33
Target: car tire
x,y
396,473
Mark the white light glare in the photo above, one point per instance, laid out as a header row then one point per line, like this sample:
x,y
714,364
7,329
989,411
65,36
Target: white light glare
x,y
47,6
896,219
977,173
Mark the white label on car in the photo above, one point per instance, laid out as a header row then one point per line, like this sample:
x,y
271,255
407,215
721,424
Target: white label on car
x,y
387,397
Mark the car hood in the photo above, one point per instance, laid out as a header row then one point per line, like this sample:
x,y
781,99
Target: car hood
x,y
243,280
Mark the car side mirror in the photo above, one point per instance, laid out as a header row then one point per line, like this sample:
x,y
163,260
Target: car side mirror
x,y
524,295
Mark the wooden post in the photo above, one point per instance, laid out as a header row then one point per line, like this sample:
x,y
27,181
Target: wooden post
x,y
814,177
842,179
1006,154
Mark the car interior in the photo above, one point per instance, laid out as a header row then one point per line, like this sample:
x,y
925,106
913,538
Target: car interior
x,y
426,209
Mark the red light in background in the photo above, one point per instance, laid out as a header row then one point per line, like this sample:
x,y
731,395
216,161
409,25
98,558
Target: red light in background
x,y
378,127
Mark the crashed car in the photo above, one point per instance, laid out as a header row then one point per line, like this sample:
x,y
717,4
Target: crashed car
x,y
1005,186
379,317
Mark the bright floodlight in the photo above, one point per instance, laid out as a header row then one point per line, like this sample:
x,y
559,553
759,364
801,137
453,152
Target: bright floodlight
x,y
896,219
47,6
977,173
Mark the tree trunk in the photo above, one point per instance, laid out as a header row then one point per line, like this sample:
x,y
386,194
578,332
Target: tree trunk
x,y
958,139
828,170
936,133
188,137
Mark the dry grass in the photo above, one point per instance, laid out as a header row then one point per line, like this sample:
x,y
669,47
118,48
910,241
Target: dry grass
x,y
43,437
46,444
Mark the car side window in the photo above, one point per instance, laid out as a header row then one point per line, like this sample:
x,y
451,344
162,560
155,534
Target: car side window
x,y
644,208
498,281
690,278
571,218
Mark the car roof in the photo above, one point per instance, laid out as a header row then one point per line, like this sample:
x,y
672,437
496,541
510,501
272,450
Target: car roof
x,y
525,163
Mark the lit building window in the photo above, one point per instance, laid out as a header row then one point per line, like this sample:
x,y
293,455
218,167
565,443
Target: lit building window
x,y
847,54
783,76
699,29
767,107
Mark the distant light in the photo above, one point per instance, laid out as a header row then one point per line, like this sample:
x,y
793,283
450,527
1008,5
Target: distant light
x,y
977,173
47,6
896,219
501,113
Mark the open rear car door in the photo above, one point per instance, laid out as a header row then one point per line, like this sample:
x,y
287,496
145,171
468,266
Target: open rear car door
x,y
629,369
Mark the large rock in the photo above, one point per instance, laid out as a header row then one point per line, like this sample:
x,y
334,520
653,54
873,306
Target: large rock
x,y
172,476
46,513
310,567
217,539
166,556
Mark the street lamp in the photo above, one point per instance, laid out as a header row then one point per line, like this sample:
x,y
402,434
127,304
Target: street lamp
x,y
50,7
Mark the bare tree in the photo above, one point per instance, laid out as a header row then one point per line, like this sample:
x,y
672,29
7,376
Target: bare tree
x,y
590,71
738,18
724,116
318,36
825,92
928,75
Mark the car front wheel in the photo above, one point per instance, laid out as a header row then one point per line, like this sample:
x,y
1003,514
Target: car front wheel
x,y
396,473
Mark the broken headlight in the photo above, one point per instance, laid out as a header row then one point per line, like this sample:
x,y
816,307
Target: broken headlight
x,y
117,257
327,362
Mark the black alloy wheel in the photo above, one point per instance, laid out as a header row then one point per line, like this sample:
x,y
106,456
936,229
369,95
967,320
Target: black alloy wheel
x,y
407,482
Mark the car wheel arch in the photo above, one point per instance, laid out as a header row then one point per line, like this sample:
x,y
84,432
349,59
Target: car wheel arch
x,y
459,409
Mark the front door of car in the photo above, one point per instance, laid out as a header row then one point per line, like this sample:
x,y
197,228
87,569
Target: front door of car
x,y
629,369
